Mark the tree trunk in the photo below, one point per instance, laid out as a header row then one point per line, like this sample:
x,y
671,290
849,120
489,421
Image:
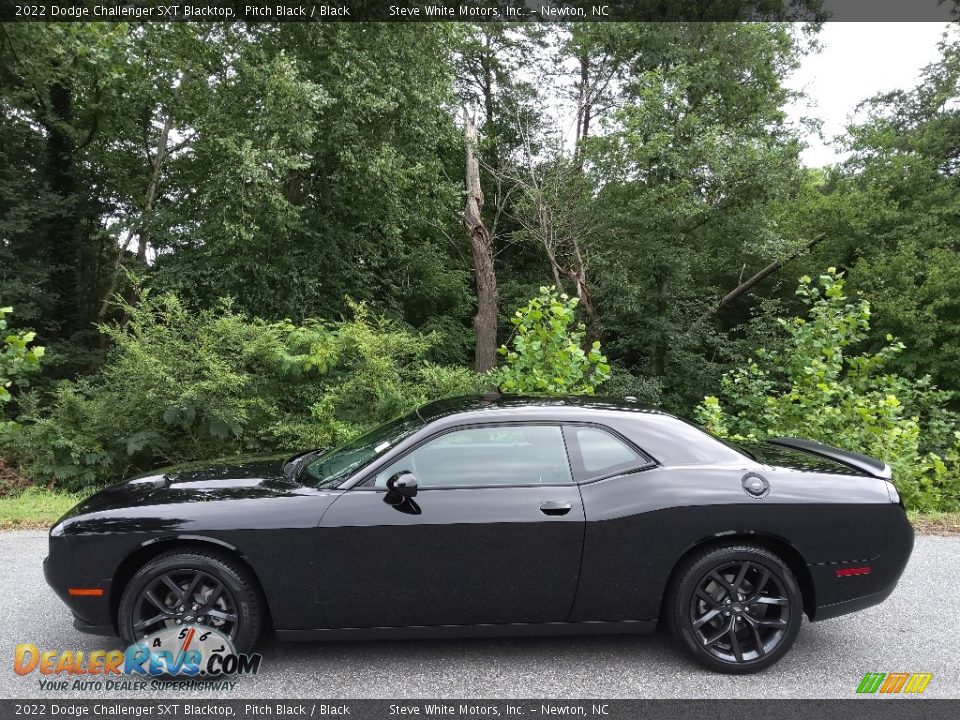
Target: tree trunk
x,y
586,299
153,186
577,274
584,110
485,321
62,241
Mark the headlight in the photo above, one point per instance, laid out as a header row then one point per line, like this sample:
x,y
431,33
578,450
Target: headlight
x,y
57,530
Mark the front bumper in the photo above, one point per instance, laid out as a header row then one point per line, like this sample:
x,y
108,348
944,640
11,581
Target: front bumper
x,y
62,572
102,630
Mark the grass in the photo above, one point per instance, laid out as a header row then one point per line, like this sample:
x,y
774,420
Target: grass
x,y
936,523
35,508
39,508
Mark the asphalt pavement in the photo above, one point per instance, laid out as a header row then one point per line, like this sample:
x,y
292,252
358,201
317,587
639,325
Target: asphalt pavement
x,y
916,630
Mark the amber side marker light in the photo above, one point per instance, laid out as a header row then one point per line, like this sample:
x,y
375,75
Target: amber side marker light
x,y
849,572
85,591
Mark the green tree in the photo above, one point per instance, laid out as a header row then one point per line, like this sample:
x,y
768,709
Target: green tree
x,y
318,172
285,166
897,203
693,161
546,354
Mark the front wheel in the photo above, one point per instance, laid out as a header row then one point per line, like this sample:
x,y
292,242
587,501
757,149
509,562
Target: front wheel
x,y
195,587
735,609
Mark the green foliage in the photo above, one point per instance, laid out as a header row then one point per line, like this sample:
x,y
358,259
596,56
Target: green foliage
x,y
374,372
183,385
304,164
547,355
692,168
900,207
816,387
317,172
17,358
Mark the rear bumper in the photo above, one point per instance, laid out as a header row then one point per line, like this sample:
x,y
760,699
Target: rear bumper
x,y
826,612
835,596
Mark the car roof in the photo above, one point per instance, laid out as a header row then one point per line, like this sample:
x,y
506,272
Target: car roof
x,y
496,404
666,438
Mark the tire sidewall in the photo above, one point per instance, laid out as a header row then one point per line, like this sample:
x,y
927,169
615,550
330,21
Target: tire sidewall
x,y
248,611
688,585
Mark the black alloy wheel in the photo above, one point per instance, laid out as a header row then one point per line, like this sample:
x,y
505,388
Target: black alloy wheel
x,y
183,597
192,588
736,609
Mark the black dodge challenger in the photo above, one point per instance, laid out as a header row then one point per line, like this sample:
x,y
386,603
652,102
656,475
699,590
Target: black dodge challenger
x,y
496,515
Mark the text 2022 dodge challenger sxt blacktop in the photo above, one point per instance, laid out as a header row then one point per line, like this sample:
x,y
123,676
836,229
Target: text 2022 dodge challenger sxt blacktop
x,y
496,515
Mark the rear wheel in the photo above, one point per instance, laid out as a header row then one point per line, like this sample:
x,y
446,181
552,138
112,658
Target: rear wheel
x,y
197,587
735,609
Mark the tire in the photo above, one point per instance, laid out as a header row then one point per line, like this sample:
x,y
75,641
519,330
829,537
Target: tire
x,y
714,619
236,599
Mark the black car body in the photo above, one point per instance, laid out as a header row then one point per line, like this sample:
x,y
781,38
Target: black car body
x,y
507,515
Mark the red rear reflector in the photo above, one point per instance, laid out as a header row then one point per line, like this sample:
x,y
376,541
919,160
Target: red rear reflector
x,y
85,591
847,572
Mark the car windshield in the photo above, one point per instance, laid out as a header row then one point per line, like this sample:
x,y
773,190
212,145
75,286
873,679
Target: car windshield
x,y
335,466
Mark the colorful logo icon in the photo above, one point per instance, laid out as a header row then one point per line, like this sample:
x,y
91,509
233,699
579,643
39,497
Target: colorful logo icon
x,y
181,651
891,683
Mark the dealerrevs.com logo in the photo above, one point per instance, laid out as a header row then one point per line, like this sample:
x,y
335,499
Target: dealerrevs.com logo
x,y
176,654
893,683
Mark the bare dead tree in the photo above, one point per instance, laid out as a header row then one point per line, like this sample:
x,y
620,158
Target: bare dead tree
x,y
554,214
596,77
481,245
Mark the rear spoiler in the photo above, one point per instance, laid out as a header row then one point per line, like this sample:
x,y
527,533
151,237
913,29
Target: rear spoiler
x,y
863,463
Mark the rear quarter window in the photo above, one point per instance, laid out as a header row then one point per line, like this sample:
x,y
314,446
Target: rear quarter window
x,y
671,441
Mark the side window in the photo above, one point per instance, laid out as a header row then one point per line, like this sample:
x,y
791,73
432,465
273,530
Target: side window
x,y
495,455
602,453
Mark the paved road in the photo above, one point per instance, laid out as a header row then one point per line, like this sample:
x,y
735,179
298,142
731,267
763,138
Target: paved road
x,y
917,629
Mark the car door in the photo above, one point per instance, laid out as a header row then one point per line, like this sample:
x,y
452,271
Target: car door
x,y
494,534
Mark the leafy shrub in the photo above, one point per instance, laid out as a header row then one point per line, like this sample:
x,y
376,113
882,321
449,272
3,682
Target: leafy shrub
x,y
547,355
373,373
816,388
17,359
181,385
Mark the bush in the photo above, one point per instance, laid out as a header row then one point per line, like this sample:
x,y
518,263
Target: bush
x,y
17,359
373,372
816,388
547,356
180,385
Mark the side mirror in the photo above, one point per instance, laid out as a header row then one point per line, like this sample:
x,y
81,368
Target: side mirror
x,y
404,483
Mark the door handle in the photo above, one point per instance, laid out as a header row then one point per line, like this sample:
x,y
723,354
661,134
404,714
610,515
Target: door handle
x,y
554,507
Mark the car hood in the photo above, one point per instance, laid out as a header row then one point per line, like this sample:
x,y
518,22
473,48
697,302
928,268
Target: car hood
x,y
239,476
